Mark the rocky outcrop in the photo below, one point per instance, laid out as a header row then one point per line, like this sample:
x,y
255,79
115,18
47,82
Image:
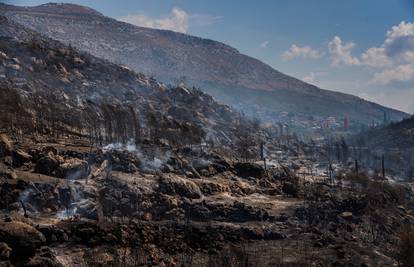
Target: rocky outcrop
x,y
22,238
246,170
47,165
73,169
175,185
6,145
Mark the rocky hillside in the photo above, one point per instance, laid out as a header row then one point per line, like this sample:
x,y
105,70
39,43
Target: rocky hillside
x,y
219,69
44,82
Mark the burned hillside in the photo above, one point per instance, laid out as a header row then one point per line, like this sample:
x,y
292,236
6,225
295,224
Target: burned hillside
x,y
102,166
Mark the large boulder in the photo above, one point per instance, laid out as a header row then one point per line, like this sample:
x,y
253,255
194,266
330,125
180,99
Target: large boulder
x,y
47,165
175,185
7,173
20,157
6,145
21,237
290,189
247,169
73,169
221,164
4,251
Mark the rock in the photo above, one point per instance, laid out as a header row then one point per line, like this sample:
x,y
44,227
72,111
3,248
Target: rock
x,y
200,164
6,145
189,174
20,157
3,55
46,165
4,251
87,209
10,175
102,170
174,185
73,169
246,169
14,66
211,188
45,257
7,173
21,237
16,60
52,233
167,168
347,215
290,189
78,61
220,163
8,160
204,172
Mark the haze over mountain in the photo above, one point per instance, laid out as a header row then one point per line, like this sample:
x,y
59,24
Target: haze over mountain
x,y
219,69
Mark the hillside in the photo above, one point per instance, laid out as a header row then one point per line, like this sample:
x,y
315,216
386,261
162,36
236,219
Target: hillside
x,y
396,135
54,82
394,142
218,69
102,166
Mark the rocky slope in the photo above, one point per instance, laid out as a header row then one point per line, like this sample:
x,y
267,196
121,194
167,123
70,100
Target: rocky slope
x,y
234,214
43,81
221,70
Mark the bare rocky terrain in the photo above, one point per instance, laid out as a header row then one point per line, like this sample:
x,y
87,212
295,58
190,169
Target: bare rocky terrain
x,y
64,204
102,166
220,70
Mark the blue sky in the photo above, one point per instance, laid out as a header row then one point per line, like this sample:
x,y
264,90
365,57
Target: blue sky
x,y
364,48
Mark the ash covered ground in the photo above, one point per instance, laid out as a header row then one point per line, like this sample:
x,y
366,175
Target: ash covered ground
x,y
67,204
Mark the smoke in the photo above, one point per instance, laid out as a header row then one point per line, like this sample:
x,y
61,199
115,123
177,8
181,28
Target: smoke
x,y
151,159
25,198
25,195
75,175
76,200
67,213
129,146
155,160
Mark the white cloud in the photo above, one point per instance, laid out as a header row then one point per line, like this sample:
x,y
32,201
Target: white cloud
x,y
375,57
399,43
297,51
310,78
176,21
264,44
395,57
400,73
341,53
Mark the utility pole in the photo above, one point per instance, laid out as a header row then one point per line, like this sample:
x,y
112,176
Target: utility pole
x,y
356,167
262,154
